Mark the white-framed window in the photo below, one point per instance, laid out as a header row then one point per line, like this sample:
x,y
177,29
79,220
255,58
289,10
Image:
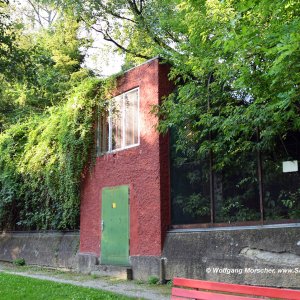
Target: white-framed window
x,y
118,126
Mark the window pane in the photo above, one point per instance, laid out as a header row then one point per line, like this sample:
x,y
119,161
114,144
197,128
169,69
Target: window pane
x,y
236,190
131,118
119,127
103,132
190,201
282,189
116,122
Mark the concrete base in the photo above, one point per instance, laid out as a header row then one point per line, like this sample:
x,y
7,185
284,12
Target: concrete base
x,y
145,266
113,271
86,262
141,267
265,255
52,249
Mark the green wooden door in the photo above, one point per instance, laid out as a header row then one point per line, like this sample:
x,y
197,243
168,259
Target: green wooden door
x,y
115,226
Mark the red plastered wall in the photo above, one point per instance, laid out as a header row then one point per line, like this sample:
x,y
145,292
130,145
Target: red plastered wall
x,y
144,168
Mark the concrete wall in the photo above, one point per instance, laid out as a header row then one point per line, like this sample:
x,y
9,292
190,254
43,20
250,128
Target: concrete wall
x,y
51,249
199,254
143,168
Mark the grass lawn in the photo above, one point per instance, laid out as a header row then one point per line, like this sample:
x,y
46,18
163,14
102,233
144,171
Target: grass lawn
x,y
13,287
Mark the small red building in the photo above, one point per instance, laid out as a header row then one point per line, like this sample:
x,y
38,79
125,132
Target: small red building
x,y
135,185
125,202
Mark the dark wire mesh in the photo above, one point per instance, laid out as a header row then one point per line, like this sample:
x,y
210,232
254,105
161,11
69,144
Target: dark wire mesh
x,y
236,193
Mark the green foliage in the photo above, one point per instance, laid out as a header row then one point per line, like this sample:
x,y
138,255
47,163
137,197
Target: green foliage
x,y
153,280
53,68
19,262
234,210
195,205
239,64
42,159
286,205
13,58
169,283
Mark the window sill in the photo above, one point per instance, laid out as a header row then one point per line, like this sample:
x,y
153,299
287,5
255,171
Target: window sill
x,y
118,150
234,226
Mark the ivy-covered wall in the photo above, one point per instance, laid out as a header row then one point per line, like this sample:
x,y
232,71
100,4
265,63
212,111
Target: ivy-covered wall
x,y
42,160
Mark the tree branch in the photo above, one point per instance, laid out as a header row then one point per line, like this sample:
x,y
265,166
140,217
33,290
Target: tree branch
x,y
107,37
36,10
141,5
134,8
114,14
141,20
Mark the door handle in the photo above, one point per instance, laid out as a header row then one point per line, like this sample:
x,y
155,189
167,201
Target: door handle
x,y
102,225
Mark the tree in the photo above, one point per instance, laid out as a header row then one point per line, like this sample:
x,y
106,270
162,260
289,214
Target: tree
x,y
39,13
50,58
10,54
46,119
13,59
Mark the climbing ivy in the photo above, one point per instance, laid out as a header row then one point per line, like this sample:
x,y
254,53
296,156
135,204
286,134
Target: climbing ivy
x,y
42,161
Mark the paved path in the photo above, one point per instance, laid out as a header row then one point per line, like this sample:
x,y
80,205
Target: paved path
x,y
126,288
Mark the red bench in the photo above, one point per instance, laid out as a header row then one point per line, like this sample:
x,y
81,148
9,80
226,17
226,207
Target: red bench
x,y
207,290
